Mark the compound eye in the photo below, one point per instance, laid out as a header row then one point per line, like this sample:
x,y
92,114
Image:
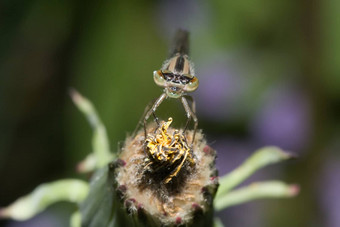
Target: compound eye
x,y
158,78
192,85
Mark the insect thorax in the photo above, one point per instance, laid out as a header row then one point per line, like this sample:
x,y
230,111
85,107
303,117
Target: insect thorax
x,y
179,65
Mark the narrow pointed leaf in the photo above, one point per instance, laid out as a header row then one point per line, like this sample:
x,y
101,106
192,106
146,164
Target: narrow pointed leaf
x,y
218,222
260,190
75,220
100,142
261,158
44,195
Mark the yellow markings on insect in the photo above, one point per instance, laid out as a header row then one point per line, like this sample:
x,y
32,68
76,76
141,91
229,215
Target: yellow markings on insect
x,y
167,149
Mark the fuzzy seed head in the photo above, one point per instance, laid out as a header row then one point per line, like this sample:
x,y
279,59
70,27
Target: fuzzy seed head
x,y
167,178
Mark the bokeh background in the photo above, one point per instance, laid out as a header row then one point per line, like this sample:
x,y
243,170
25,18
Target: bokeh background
x,y
269,74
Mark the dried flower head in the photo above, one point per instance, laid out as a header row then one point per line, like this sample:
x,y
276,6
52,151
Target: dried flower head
x,y
167,153
164,178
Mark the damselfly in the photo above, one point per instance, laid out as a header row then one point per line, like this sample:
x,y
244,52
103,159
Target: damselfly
x,y
177,77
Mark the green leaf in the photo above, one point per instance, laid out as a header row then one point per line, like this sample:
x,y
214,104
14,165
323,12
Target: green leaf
x,y
260,190
44,195
218,222
75,220
97,208
261,158
100,143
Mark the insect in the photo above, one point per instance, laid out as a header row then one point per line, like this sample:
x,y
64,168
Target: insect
x,y
166,150
177,77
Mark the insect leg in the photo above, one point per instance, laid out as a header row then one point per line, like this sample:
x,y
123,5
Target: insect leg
x,y
190,114
140,122
152,111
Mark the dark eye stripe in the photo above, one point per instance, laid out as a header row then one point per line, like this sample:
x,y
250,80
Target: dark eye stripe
x,y
168,76
184,79
178,79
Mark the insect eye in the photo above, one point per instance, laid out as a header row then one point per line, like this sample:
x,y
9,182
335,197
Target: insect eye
x,y
192,85
158,78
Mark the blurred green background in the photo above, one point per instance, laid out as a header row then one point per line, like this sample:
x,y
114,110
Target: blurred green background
x,y
269,75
